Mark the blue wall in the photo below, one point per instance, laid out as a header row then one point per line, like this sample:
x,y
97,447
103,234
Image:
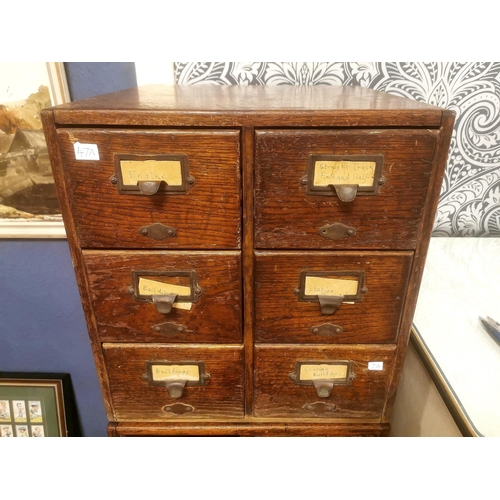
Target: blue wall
x,y
90,79
42,327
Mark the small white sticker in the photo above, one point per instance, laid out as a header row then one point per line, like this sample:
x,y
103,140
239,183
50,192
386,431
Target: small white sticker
x,y
86,151
376,365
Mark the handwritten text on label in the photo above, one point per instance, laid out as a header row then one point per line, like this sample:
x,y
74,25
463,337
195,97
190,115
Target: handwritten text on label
x,y
151,170
344,172
176,372
322,372
330,286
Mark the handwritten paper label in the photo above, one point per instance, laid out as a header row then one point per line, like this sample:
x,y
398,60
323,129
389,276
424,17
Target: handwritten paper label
x,y
376,365
344,172
330,286
322,372
191,373
86,151
134,171
150,287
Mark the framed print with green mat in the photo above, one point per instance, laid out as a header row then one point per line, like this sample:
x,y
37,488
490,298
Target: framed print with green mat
x,y
36,405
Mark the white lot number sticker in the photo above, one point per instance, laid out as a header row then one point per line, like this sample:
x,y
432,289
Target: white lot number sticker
x,y
86,151
376,365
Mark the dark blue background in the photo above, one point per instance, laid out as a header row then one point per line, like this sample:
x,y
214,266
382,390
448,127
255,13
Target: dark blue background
x,y
42,327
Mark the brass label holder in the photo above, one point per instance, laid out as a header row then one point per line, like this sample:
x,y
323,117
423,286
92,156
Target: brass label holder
x,y
146,287
331,288
176,375
323,375
151,174
344,176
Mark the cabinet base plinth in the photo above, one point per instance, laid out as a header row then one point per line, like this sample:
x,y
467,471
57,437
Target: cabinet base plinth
x,y
127,429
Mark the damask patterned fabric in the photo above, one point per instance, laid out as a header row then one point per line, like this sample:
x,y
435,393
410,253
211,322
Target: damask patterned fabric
x,y
470,195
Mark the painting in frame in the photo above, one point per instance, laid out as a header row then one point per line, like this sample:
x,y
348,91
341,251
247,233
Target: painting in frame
x,y
36,405
29,207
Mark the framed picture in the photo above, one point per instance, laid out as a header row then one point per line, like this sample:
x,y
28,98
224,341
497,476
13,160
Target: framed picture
x,y
37,405
29,207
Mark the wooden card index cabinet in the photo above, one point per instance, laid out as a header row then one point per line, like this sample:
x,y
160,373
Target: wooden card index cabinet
x,y
248,258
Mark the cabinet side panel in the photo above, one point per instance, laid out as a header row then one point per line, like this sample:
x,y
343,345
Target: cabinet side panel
x,y
76,256
424,236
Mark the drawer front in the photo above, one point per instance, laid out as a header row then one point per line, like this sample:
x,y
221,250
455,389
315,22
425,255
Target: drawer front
x,y
162,296
146,380
288,286
200,208
292,212
322,382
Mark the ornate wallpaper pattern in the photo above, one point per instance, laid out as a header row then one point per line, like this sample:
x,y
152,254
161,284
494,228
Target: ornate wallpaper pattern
x,y
470,196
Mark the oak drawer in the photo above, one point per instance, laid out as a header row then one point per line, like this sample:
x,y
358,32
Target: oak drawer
x,y
285,376
131,292
138,393
109,211
288,287
290,212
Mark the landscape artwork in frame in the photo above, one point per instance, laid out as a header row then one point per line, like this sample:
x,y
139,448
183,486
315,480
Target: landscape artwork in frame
x,y
36,405
29,207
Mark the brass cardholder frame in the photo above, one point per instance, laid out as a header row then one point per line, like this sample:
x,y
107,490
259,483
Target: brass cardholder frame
x,y
295,375
312,190
203,376
196,290
360,275
187,180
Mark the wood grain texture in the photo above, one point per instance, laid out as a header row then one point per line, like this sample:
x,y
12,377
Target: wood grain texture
x,y
51,137
134,399
248,326
285,217
279,429
252,105
276,395
208,216
248,262
215,318
281,318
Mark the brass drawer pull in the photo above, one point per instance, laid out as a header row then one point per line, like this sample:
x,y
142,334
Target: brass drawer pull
x,y
329,304
175,388
164,303
323,387
346,192
149,187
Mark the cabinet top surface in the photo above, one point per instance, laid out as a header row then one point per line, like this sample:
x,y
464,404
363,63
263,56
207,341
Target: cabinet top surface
x,y
243,105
